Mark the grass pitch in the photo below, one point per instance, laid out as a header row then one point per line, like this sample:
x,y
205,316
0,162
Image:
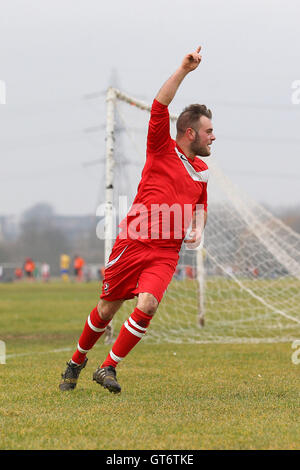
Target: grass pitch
x,y
174,396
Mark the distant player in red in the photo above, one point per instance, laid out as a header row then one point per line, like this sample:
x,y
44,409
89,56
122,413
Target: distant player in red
x,y
78,267
170,196
29,267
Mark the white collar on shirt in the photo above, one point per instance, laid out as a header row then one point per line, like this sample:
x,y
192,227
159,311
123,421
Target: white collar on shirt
x,y
195,175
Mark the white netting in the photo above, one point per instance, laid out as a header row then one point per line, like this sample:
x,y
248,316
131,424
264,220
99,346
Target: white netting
x,y
251,280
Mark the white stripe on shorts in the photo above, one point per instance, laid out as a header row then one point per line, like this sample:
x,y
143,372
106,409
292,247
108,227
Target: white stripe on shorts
x,y
113,261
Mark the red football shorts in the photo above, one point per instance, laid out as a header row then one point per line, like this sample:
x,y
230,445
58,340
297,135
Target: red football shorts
x,y
135,267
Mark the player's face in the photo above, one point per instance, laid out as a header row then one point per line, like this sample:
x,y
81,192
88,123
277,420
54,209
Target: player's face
x,y
203,138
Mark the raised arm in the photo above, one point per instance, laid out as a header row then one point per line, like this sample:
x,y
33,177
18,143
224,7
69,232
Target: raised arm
x,y
170,87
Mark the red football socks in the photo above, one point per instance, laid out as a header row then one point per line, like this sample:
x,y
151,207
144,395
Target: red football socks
x,y
94,327
130,334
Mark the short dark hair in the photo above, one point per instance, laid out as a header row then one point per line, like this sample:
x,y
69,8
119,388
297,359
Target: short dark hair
x,y
190,116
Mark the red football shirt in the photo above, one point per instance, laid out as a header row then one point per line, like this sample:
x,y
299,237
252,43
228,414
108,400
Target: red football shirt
x,y
171,185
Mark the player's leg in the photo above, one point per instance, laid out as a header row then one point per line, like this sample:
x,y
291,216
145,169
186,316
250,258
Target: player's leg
x,y
94,327
133,329
152,283
130,334
120,280
147,303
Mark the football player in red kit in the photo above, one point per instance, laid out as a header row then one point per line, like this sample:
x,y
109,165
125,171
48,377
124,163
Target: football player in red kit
x,y
146,251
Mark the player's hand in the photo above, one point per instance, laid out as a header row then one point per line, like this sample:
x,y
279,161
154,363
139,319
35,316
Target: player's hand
x,y
194,239
192,60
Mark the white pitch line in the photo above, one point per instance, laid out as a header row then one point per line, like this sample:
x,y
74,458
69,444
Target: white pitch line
x,y
257,341
9,356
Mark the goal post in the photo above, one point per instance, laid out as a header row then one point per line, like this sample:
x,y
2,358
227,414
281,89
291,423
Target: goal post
x,y
200,276
243,283
109,172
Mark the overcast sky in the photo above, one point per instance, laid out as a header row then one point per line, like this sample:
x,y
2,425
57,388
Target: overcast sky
x,y
54,53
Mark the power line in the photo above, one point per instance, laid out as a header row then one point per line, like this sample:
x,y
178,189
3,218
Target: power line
x,y
260,174
266,106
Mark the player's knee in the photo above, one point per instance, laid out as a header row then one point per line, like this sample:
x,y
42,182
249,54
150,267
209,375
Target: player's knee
x,y
106,310
147,303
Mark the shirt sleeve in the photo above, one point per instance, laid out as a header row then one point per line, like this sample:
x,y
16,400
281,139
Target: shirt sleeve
x,y
159,128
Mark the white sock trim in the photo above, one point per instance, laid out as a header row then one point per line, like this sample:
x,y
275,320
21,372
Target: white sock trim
x,y
114,357
134,332
92,327
76,363
136,325
83,351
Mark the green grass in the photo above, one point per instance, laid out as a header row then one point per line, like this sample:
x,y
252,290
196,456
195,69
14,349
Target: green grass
x,y
174,396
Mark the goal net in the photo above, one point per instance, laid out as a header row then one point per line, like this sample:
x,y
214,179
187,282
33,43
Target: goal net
x,y
242,284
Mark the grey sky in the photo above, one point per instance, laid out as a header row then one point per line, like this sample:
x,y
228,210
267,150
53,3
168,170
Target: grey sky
x,y
54,52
